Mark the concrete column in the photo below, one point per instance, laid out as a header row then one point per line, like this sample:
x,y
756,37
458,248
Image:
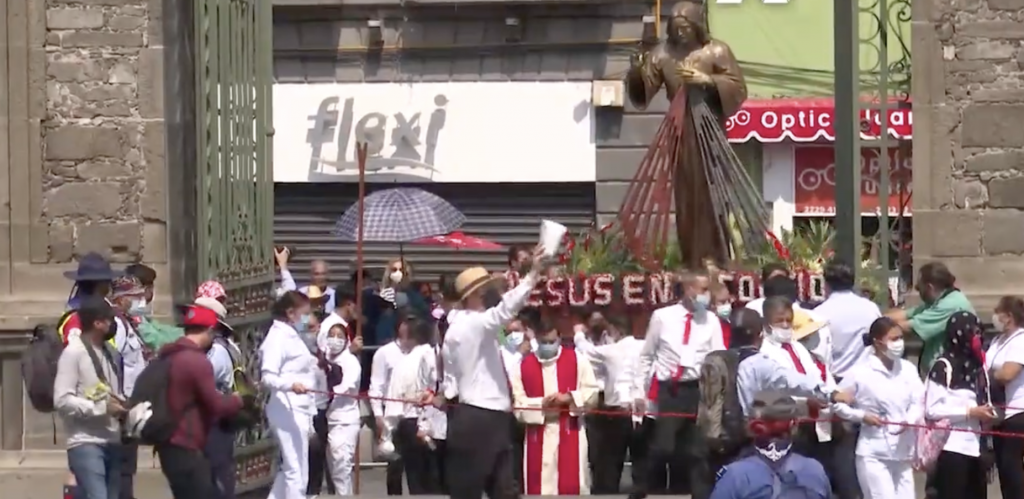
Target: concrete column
x,y
82,159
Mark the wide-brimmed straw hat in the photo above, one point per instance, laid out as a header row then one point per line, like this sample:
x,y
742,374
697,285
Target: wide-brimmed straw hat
x,y
472,279
804,325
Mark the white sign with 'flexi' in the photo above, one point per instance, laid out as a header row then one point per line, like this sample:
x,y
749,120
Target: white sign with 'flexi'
x,y
435,132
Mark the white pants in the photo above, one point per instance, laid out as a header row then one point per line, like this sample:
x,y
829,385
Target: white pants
x,y
292,431
884,479
342,444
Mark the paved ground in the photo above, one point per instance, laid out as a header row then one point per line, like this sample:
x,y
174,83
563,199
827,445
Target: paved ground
x,y
46,484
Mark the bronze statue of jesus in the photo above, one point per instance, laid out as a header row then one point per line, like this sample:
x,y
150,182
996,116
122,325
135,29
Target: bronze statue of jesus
x,y
690,61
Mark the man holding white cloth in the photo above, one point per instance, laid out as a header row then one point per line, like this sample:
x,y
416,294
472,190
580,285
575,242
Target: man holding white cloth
x,y
479,430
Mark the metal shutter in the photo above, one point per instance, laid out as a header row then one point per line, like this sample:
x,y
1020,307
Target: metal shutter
x,y
304,215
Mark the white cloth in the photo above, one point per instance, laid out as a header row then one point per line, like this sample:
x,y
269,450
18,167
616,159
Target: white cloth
x,y
292,431
284,361
414,376
512,361
1009,349
664,350
342,444
883,479
472,339
943,403
584,396
325,328
896,396
775,351
622,385
384,361
344,409
449,385
129,345
849,316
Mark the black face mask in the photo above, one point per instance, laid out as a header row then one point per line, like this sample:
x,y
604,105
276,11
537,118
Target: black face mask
x,y
111,331
491,298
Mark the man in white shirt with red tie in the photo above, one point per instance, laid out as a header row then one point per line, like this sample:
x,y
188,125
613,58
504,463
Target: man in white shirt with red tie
x,y
678,338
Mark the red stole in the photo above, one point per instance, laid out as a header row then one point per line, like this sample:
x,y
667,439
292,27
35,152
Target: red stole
x,y
532,376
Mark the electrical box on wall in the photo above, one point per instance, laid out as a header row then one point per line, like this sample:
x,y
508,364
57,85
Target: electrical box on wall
x,y
608,93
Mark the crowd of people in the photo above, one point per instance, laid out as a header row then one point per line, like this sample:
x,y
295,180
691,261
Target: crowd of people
x,y
468,392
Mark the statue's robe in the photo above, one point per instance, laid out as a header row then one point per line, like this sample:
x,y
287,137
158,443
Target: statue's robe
x,y
555,451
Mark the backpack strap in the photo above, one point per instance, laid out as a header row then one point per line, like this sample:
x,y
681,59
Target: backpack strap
x,y
98,366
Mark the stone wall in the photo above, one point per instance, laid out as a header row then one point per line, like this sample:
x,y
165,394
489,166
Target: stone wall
x,y
81,163
968,146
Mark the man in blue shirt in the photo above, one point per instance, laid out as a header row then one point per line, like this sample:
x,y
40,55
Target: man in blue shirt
x,y
770,470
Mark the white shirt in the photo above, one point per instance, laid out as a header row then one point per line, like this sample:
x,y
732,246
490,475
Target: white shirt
x,y
896,396
512,361
664,349
819,343
1009,349
776,351
622,384
413,376
344,409
284,361
129,345
472,338
384,361
952,405
849,316
449,386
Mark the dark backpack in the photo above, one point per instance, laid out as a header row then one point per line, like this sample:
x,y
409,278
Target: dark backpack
x,y
719,413
151,388
39,366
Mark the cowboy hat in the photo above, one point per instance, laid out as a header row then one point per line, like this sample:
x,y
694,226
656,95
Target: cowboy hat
x,y
804,325
314,293
92,267
472,279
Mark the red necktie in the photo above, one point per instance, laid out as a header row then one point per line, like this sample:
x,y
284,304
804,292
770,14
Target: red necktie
x,y
687,329
796,360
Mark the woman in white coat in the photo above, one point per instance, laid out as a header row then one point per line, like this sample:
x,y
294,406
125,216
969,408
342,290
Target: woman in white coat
x,y
288,369
888,395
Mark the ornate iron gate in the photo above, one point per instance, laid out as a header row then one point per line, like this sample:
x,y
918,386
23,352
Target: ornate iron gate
x,y
234,205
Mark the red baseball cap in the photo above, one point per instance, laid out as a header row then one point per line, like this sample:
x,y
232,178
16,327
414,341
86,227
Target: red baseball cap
x,y
199,316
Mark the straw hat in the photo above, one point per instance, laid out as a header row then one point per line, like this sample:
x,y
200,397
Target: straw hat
x,y
314,292
472,279
804,325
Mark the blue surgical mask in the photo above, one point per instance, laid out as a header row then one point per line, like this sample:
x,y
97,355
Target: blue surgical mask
x,y
547,351
723,311
303,323
140,308
703,300
514,339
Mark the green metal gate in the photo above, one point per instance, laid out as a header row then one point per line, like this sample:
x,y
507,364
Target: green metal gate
x,y
235,186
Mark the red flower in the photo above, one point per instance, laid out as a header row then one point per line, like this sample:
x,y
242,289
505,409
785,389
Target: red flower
x,y
779,248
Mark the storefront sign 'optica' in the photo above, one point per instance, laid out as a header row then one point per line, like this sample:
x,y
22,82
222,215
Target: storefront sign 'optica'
x,y
815,181
468,132
807,120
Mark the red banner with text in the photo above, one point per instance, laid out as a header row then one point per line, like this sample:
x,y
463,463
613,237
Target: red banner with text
x,y
815,181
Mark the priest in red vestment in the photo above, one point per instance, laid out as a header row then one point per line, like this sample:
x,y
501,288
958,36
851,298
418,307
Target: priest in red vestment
x,y
552,388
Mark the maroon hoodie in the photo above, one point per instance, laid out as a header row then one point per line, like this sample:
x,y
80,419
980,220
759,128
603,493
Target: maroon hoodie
x,y
193,396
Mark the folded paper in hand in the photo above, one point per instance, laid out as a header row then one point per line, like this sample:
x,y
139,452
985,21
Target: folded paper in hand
x,y
551,234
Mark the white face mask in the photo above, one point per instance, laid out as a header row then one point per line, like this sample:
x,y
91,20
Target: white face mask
x,y
335,345
894,349
396,276
997,322
514,339
782,334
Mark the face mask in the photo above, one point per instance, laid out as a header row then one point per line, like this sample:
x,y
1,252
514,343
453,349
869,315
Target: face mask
x,y
703,300
895,349
139,308
492,298
774,449
547,351
335,345
396,276
303,323
782,334
514,339
723,311
997,322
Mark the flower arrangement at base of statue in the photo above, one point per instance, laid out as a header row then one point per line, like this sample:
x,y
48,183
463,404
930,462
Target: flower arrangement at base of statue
x,y
596,269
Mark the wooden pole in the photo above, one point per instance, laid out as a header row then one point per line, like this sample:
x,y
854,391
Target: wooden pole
x,y
361,202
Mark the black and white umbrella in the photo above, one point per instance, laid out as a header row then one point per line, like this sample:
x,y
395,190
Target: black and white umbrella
x,y
399,215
